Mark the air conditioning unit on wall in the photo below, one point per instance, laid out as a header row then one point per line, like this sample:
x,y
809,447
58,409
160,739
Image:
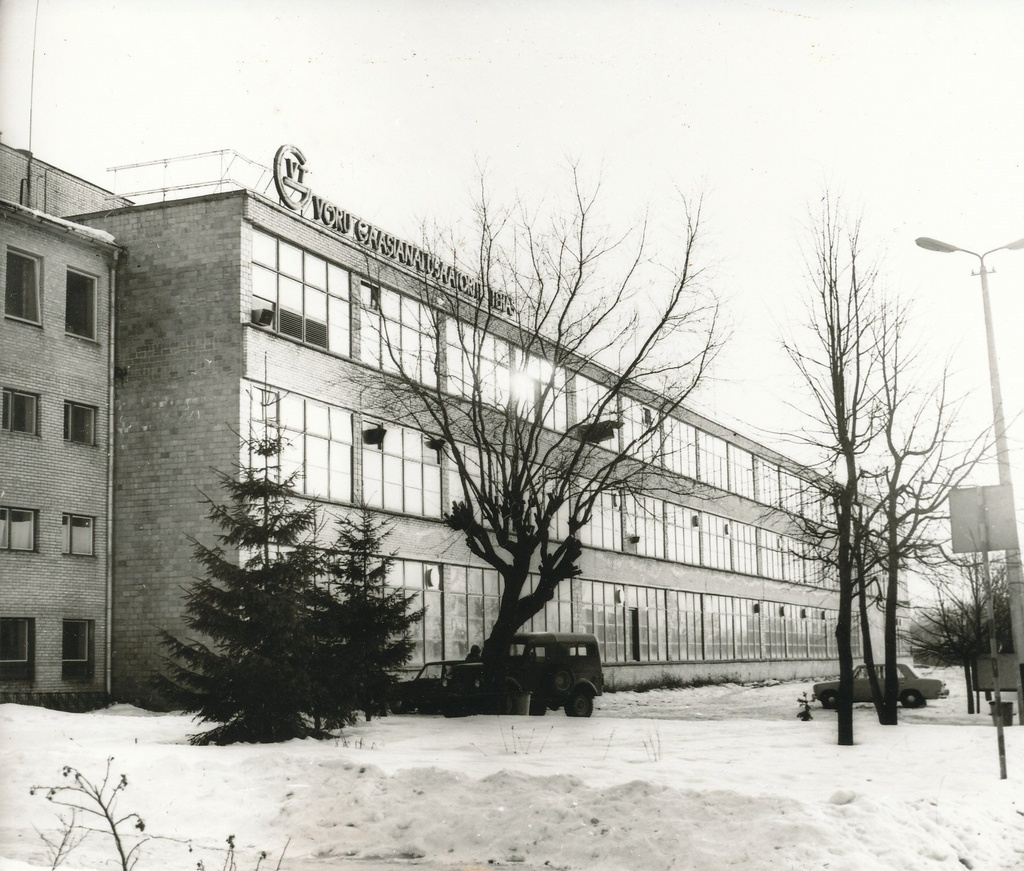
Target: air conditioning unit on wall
x,y
263,317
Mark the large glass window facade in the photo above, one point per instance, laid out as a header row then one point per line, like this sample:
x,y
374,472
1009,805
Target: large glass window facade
x,y
714,542
680,448
605,527
402,472
604,614
741,471
397,334
317,441
307,296
641,437
421,581
556,615
713,460
540,386
647,624
683,528
471,600
767,482
478,364
645,516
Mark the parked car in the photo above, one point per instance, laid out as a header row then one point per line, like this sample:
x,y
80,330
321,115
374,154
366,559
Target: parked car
x,y
423,693
557,669
914,690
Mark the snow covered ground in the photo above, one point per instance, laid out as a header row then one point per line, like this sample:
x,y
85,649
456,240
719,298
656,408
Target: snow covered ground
x,y
710,778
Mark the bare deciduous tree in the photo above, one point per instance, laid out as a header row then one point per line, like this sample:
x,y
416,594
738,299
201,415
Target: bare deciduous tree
x,y
551,386
954,630
887,430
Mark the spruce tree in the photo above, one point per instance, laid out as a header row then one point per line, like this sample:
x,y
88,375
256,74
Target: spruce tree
x,y
370,621
257,674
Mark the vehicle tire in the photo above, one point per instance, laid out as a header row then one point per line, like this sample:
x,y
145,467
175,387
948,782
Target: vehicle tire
x,y
538,707
580,704
561,679
455,709
829,699
912,699
397,706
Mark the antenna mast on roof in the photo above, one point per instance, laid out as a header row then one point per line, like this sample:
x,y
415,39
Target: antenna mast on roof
x,y
31,108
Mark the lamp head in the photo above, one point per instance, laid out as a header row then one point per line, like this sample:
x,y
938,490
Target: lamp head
x,y
944,247
1015,246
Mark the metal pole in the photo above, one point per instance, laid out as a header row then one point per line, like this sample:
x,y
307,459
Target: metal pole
x,y
1014,579
993,645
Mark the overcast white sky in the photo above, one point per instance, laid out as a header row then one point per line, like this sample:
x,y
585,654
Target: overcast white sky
x,y
910,111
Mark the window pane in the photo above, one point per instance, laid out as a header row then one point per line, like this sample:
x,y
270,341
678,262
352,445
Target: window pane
x,y
81,535
337,281
79,423
264,284
341,425
22,414
291,295
317,419
338,331
316,305
316,271
317,481
22,526
290,261
264,249
22,292
76,641
341,472
80,306
13,639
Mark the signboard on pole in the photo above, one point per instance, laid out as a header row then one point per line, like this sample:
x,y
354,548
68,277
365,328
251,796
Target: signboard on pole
x,y
983,518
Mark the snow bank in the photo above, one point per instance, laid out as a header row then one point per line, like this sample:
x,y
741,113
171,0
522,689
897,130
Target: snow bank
x,y
716,778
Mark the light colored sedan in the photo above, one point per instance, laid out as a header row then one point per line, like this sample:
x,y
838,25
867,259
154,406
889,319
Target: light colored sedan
x,y
914,690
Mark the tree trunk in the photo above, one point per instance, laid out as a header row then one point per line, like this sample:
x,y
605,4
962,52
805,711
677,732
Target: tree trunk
x,y
890,709
969,683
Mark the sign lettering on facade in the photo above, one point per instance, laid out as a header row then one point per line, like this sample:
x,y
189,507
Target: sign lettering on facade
x,y
289,179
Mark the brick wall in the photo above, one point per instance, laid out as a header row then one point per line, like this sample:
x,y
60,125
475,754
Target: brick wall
x,y
53,190
45,473
177,378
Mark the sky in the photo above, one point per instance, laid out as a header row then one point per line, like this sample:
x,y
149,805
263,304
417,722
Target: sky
x,y
703,779
906,112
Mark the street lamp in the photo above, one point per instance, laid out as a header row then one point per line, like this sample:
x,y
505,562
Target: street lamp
x,y
1014,580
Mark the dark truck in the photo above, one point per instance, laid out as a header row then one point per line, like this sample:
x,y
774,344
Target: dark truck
x,y
556,669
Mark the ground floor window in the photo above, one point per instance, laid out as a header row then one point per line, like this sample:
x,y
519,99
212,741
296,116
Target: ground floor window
x,y
647,624
471,600
77,650
632,623
17,642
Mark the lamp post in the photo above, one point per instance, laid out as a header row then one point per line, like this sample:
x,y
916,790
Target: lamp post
x,y
1014,579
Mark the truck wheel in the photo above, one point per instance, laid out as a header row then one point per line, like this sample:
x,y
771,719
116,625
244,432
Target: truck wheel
x,y
561,680
538,707
580,704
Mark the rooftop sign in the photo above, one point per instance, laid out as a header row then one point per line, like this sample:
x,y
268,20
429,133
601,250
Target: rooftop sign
x,y
295,194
